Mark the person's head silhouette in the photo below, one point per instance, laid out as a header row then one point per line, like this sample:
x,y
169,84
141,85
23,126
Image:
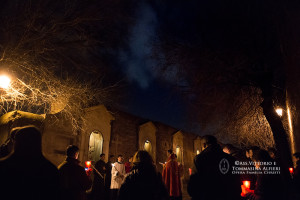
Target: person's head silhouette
x,y
28,141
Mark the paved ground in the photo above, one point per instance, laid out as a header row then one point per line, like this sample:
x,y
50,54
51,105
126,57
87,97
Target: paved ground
x,y
185,195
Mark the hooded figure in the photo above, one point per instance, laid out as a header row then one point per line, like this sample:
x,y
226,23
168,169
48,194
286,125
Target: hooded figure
x,y
26,173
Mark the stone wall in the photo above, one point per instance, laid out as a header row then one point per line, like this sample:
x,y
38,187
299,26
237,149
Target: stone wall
x,y
122,133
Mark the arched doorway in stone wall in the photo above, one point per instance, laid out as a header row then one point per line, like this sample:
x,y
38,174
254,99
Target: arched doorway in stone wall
x,y
178,146
147,139
95,146
178,153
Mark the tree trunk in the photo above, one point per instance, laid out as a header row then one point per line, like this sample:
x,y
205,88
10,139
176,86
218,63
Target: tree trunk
x,y
279,134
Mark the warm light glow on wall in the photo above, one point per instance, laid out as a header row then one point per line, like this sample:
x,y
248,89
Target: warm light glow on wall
x,y
4,82
179,154
279,111
198,152
148,146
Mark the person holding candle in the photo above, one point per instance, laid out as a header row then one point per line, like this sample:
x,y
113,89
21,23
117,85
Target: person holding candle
x,y
74,180
268,186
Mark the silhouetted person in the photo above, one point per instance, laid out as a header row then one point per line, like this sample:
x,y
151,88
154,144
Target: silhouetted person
x,y
251,150
99,176
237,153
117,177
296,177
212,178
7,147
74,181
128,165
108,167
268,186
297,169
26,173
171,177
143,182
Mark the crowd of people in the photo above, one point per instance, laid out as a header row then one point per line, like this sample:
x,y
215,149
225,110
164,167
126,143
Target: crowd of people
x,y
27,174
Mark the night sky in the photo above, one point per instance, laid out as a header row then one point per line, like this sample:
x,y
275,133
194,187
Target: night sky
x,y
148,96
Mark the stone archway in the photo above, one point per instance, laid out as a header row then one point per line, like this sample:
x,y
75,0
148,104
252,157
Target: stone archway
x,y
96,118
179,153
147,139
178,146
95,146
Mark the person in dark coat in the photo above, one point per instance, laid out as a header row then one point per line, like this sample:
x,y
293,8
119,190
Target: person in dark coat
x,y
213,178
143,182
26,173
297,169
74,181
268,186
108,167
99,176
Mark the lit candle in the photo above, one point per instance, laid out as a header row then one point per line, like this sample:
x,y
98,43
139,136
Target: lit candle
x,y
190,171
291,170
246,184
88,164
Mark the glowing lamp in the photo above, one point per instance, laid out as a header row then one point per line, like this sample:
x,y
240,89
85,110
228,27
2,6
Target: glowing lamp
x,y
291,170
279,111
246,184
88,164
4,82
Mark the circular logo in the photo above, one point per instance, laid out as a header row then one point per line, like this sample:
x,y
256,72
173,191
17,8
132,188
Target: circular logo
x,y
224,166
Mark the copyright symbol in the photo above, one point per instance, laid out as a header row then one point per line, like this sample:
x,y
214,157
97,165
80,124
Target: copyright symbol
x,y
236,162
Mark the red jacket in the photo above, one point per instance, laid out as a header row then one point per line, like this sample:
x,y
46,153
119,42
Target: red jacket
x,y
171,177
